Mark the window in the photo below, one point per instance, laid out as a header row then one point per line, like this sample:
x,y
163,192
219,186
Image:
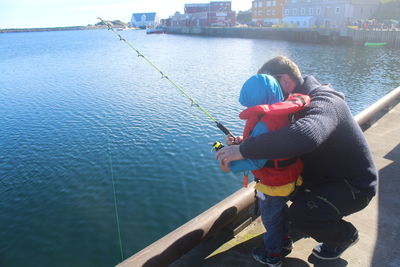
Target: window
x,y
318,11
337,10
268,3
294,12
311,11
273,12
273,3
286,12
302,11
268,12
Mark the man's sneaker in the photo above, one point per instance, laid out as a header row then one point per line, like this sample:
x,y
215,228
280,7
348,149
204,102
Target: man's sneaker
x,y
326,252
261,256
287,247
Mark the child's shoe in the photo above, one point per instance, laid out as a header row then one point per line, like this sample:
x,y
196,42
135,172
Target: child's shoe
x,y
271,260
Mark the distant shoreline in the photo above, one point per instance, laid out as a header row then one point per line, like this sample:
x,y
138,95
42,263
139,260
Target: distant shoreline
x,y
68,28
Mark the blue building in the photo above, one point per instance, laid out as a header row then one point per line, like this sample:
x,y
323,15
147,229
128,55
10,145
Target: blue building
x,y
143,20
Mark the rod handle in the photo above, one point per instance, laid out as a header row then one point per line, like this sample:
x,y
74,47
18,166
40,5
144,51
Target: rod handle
x,y
224,129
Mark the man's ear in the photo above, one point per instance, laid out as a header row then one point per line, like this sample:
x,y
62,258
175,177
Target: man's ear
x,y
287,84
285,81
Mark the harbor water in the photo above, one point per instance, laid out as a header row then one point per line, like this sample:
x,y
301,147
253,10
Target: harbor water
x,y
79,109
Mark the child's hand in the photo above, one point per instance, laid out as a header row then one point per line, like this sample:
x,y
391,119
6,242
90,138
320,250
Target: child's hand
x,y
228,154
230,140
224,167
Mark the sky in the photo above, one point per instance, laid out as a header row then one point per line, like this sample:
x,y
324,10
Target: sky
x,y
58,13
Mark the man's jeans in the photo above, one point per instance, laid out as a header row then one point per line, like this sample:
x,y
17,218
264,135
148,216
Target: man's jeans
x,y
319,211
273,214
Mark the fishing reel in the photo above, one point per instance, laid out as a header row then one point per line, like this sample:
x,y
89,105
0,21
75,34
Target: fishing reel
x,y
217,146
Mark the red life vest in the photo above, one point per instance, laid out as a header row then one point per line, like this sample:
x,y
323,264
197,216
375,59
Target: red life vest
x,y
276,116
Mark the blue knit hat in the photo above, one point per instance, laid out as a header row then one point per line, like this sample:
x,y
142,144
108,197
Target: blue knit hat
x,y
260,89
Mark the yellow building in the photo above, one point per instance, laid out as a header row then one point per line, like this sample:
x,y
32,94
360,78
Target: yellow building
x,y
267,11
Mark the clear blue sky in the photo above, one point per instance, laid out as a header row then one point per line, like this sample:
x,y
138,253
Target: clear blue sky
x,y
55,13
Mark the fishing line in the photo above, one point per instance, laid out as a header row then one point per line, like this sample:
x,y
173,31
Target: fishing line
x,y
194,102
115,195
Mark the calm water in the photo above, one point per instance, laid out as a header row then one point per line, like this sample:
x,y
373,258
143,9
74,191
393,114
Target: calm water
x,y
73,104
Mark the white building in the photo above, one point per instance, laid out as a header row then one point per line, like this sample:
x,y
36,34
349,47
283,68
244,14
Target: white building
x,y
328,13
143,20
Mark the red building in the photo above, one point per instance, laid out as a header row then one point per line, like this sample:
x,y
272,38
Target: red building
x,y
218,13
196,8
221,14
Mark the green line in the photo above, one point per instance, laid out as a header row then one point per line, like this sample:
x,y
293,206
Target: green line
x,y
115,195
162,74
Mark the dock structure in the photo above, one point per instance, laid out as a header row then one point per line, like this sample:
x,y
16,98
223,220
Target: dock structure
x,y
333,36
225,234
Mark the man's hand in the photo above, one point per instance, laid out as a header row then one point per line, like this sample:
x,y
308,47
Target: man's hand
x,y
228,154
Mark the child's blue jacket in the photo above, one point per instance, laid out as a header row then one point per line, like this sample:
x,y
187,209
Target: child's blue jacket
x,y
257,90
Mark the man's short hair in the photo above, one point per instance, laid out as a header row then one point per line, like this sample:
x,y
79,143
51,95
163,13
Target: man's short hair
x,y
281,65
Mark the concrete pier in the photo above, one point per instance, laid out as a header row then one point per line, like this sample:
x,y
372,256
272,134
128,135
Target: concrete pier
x,y
378,224
225,234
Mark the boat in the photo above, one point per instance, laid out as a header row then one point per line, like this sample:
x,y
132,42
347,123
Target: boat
x,y
155,30
123,29
374,44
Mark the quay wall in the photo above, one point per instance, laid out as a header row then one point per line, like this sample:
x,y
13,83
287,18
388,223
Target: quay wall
x,y
345,36
392,38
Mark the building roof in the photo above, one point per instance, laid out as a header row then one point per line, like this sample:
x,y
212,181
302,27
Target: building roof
x,y
197,5
149,16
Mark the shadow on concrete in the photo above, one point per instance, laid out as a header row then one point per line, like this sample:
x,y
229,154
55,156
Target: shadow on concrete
x,y
326,263
295,262
240,255
175,250
388,236
181,247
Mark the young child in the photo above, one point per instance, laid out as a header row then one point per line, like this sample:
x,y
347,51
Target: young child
x,y
276,179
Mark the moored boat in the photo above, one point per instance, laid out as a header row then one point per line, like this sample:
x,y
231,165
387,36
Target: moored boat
x,y
374,44
155,30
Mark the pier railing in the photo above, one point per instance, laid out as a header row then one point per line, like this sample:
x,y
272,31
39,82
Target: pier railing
x,y
222,221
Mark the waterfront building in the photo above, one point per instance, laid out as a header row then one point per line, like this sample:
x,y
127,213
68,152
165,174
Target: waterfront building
x,y
179,20
267,12
216,13
144,20
327,13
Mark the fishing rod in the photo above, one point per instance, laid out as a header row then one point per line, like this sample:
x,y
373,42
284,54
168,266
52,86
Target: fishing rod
x,y
194,102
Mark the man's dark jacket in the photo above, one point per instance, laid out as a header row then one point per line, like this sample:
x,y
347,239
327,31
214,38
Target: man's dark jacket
x,y
327,137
